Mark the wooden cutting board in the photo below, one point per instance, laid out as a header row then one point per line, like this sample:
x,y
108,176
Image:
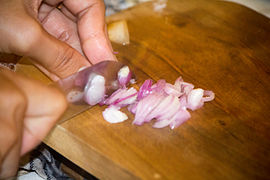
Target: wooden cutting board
x,y
215,45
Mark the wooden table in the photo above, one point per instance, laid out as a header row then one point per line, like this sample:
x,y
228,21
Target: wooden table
x,y
215,45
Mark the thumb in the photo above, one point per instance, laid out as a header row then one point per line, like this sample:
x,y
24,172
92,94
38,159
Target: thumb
x,y
54,57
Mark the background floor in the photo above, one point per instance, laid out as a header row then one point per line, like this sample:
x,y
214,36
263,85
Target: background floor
x,y
261,6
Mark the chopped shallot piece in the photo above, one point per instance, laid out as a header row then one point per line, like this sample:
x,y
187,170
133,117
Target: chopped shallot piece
x,y
171,89
95,90
142,112
113,115
195,99
180,117
122,97
124,76
145,89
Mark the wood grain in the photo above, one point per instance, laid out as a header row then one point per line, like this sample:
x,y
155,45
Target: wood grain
x,y
215,45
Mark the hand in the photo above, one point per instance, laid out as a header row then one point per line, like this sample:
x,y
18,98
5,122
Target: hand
x,y
60,41
28,110
45,33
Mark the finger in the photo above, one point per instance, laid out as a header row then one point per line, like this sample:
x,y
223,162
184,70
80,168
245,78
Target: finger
x,y
91,28
64,10
45,106
12,110
59,26
56,56
67,13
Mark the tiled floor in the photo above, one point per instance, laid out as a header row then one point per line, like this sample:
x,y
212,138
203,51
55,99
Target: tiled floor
x,y
261,6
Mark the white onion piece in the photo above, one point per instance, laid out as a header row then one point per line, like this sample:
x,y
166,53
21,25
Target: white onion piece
x,y
170,110
116,95
162,123
127,100
178,82
160,108
172,90
113,115
122,97
164,119
159,86
186,87
132,81
182,86
195,99
180,117
95,90
175,120
183,101
145,106
145,89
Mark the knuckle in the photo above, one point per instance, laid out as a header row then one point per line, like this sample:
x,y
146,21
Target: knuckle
x,y
64,60
12,97
90,4
17,99
64,36
59,104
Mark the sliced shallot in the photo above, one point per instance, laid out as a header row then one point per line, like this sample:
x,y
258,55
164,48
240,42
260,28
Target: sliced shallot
x,y
162,101
112,114
95,90
145,107
145,89
180,117
194,99
122,97
124,76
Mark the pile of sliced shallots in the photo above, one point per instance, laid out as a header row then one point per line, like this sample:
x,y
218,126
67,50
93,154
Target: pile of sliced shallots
x,y
165,102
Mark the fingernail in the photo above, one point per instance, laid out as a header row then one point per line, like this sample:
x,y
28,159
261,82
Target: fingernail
x,y
82,68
